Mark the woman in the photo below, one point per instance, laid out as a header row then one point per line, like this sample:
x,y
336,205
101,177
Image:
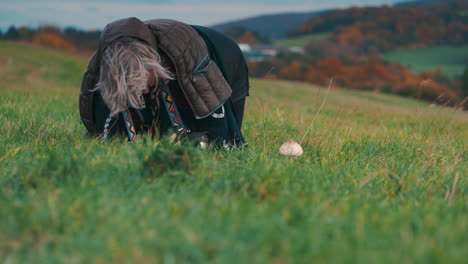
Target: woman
x,y
166,75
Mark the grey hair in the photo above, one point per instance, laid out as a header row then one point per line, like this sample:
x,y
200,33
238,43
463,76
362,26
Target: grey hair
x,y
126,67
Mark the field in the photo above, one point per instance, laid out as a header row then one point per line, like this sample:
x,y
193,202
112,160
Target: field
x,y
452,60
300,41
382,179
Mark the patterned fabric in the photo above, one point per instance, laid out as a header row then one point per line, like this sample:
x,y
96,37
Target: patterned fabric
x,y
132,134
171,108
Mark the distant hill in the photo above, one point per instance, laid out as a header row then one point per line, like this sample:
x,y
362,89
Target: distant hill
x,y
418,2
384,28
277,26
270,26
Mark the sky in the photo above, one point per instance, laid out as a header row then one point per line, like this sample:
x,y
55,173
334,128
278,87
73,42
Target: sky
x,y
95,14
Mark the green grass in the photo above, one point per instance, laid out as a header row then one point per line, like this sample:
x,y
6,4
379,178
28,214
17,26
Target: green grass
x,y
300,41
452,60
382,179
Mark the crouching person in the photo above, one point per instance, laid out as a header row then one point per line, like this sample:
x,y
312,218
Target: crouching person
x,y
166,76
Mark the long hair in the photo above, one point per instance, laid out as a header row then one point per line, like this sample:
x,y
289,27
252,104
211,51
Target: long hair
x,y
126,68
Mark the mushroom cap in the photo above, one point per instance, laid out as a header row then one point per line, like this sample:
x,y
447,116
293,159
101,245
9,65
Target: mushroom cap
x,y
291,148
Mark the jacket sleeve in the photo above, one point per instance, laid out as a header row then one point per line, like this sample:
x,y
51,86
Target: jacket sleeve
x,y
90,78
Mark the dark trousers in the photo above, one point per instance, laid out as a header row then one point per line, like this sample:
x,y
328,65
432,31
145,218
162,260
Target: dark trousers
x,y
224,127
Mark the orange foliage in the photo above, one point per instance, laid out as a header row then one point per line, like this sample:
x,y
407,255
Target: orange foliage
x,y
52,40
349,36
373,74
386,27
330,67
248,38
294,71
314,75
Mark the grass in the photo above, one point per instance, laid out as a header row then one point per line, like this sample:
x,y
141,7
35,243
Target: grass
x,y
299,41
452,60
382,179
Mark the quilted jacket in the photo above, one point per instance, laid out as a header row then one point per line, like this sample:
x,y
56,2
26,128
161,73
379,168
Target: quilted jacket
x,y
201,80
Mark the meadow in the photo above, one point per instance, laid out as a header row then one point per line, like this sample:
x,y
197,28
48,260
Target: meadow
x,y
300,41
382,179
452,60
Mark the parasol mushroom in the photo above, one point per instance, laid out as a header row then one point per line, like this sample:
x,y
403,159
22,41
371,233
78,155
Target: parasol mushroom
x,y
291,148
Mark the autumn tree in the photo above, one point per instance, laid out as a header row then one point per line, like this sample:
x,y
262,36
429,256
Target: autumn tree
x,y
52,40
245,35
294,71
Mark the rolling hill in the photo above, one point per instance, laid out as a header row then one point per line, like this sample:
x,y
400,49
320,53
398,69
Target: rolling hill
x,y
452,60
277,26
381,179
273,26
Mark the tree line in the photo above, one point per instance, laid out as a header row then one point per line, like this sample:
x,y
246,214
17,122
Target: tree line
x,y
366,73
69,38
378,29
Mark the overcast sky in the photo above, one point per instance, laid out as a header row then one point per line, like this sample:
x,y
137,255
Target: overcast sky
x,y
95,14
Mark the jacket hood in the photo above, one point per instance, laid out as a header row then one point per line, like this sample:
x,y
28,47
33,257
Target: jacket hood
x,y
127,27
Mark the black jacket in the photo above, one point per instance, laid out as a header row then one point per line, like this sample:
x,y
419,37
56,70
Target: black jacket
x,y
204,90
230,60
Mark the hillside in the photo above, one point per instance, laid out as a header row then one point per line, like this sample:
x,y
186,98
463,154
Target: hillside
x,y
381,179
277,26
451,60
362,48
301,41
418,2
272,25
382,28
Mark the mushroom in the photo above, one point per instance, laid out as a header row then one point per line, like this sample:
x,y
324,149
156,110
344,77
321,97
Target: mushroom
x,y
291,148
